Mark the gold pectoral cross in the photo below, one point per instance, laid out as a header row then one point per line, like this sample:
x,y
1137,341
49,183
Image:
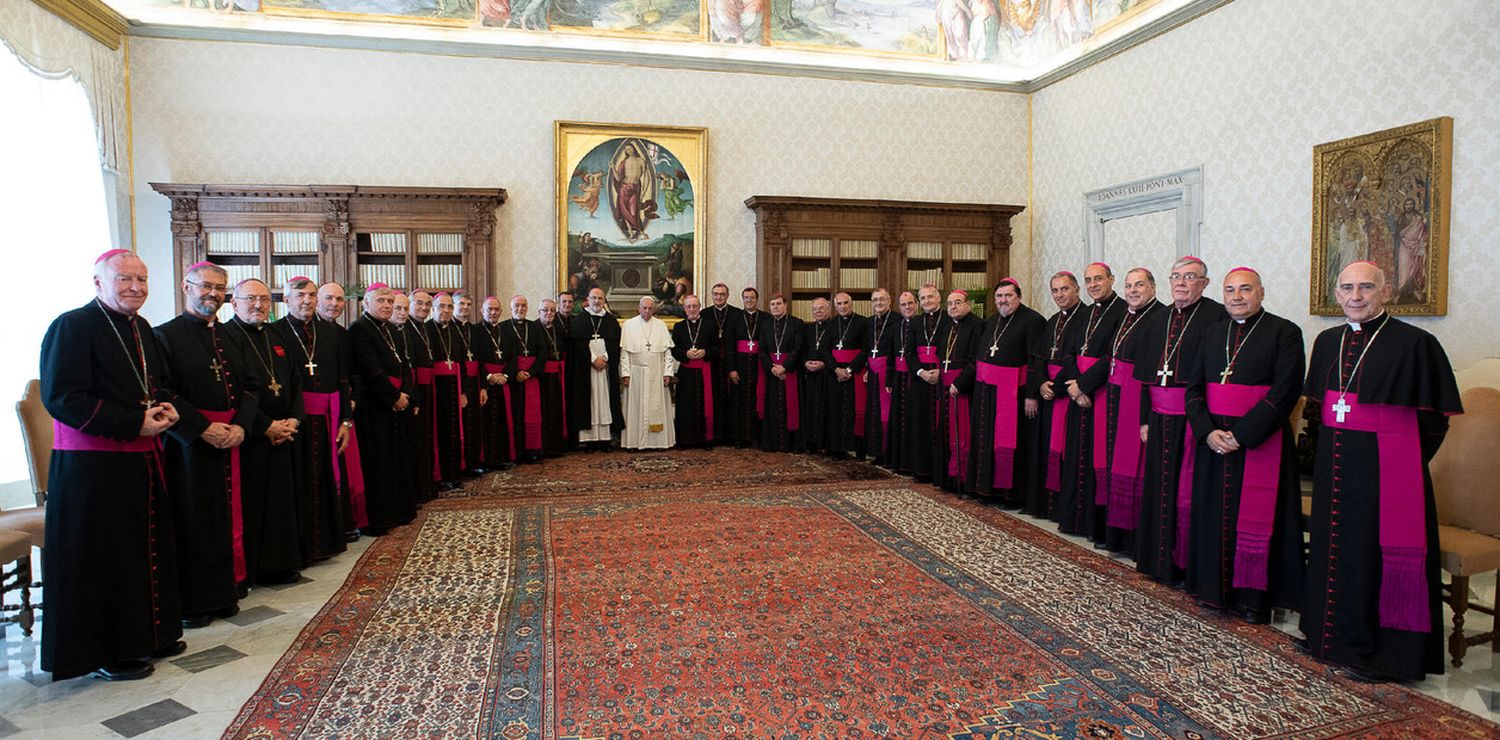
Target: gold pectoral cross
x,y
312,367
275,387
217,368
1224,376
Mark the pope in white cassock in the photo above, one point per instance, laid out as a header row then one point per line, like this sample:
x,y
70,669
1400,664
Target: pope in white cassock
x,y
647,368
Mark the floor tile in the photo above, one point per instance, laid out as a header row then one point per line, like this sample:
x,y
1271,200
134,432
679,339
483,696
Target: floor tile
x,y
206,659
148,718
285,586
7,729
254,614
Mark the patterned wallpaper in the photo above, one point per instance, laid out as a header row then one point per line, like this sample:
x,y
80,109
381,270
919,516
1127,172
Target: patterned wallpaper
x,y
1247,91
227,112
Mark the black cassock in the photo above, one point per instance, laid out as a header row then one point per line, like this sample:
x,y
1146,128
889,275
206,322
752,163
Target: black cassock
x,y
879,345
556,432
525,349
111,563
950,420
353,487
1264,350
1406,367
205,511
275,477
695,393
1046,463
562,334
898,384
500,445
720,322
847,420
448,388
321,502
470,335
813,390
780,343
415,347
585,328
1171,340
1123,513
1004,342
1081,502
742,340
920,452
382,376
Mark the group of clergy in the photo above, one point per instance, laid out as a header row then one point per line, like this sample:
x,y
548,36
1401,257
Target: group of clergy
x,y
202,458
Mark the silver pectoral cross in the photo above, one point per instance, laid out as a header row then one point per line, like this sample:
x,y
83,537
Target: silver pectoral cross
x,y
1164,374
840,345
752,345
1224,376
312,367
1341,409
994,349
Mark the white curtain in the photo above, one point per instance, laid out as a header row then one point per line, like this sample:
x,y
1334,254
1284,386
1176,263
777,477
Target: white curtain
x,y
54,49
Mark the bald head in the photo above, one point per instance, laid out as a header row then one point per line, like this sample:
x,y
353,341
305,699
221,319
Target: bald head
x,y
1362,291
843,304
330,301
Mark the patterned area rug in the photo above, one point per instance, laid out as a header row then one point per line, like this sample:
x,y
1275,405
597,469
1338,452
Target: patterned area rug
x,y
688,602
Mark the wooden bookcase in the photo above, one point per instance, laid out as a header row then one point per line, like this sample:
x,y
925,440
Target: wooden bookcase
x,y
811,247
429,238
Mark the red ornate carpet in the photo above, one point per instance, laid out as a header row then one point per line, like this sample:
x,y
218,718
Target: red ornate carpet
x,y
726,593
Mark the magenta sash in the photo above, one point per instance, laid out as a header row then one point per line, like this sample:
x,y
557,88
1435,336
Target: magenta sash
x,y
1007,382
707,371
844,357
1173,402
236,512
68,439
1404,596
793,407
446,369
559,368
532,390
901,366
927,354
1099,405
429,398
1057,434
877,368
1257,514
1126,459
326,405
958,426
745,346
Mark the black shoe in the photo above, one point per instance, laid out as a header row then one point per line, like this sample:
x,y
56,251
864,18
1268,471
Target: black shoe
x,y
351,536
1365,675
1255,616
375,531
125,670
176,648
1302,646
197,622
227,611
241,591
277,577
480,471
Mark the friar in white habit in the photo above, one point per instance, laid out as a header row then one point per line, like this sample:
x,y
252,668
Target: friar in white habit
x,y
647,370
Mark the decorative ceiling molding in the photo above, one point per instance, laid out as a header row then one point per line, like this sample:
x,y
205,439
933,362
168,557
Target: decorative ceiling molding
x,y
93,17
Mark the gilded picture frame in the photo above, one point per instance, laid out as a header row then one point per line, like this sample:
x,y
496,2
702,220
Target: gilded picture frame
x,y
628,214
1384,197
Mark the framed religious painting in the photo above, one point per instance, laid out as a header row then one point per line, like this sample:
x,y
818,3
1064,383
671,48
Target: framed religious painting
x,y
1383,197
629,213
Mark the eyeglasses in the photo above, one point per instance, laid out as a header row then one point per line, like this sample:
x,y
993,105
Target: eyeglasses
x,y
209,287
1186,277
254,299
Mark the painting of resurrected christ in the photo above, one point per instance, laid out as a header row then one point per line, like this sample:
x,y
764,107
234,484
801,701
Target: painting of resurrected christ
x,y
629,210
1382,198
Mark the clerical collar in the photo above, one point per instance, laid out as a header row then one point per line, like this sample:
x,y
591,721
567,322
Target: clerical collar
x,y
208,320
590,311
1355,325
1253,315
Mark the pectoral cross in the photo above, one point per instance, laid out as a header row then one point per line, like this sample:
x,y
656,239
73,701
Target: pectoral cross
x,y
875,352
1164,374
525,352
648,345
945,365
449,363
752,345
470,353
1224,376
312,367
217,368
840,345
275,387
594,336
993,349
1341,409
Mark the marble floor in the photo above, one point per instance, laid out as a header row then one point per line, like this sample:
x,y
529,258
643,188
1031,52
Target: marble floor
x,y
199,693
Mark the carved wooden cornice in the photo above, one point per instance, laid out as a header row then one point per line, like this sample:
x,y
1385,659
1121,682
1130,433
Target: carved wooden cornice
x,y
492,196
760,202
93,17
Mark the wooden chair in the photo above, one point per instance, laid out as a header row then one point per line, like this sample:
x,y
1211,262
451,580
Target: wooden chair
x,y
15,549
1485,372
36,434
1464,472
